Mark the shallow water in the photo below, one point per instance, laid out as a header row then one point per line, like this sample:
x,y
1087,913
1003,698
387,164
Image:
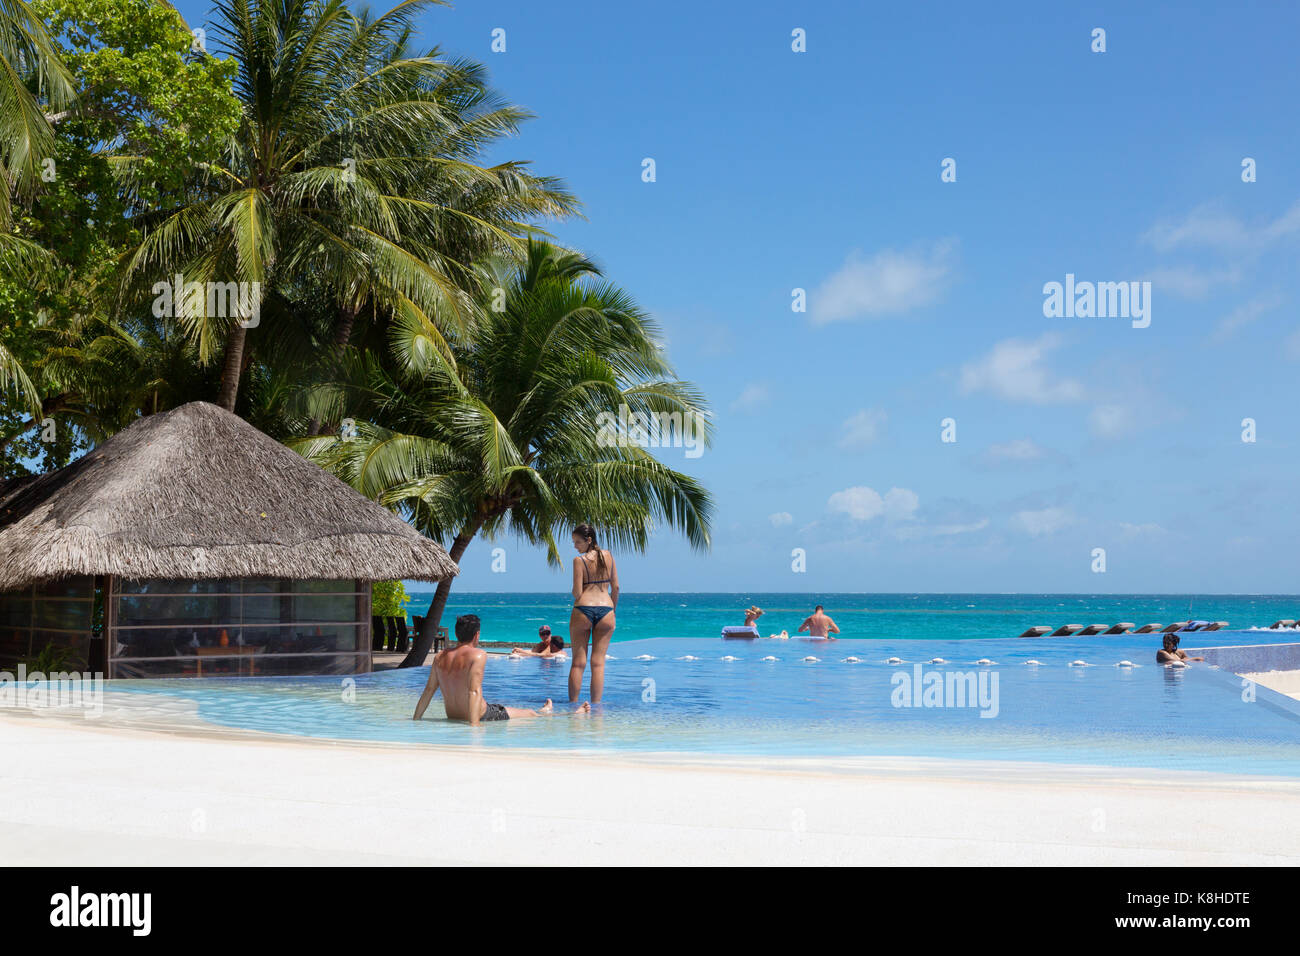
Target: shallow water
x,y
1193,718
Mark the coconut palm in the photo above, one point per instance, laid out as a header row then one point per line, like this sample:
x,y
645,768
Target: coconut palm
x,y
15,381
32,78
513,428
27,60
351,173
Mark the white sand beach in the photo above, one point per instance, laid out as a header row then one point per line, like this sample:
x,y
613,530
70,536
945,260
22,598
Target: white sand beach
x,y
82,793
1284,682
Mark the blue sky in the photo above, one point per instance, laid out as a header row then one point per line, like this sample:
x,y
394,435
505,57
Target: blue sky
x,y
820,170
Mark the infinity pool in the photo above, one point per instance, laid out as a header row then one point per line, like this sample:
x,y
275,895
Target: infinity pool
x,y
819,699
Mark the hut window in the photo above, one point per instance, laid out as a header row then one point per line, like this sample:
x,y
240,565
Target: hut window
x,y
257,627
56,612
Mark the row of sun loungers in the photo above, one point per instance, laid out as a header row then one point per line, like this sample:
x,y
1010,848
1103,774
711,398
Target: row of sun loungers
x,y
1126,627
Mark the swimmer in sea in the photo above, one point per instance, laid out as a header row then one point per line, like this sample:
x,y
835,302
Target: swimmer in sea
x,y
1170,652
752,615
819,624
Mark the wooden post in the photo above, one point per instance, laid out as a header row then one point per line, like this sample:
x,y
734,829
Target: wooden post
x,y
367,642
110,624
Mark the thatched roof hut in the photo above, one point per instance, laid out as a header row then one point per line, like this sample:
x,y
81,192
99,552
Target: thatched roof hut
x,y
198,493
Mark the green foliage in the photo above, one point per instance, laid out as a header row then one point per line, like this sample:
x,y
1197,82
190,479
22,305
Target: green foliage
x,y
32,79
151,118
163,109
351,177
388,598
501,433
52,659
321,156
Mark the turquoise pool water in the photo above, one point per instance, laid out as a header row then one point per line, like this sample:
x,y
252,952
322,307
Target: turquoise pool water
x,y
685,696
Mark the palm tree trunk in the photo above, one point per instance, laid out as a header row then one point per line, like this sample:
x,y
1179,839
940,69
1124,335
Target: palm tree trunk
x,y
424,638
232,367
343,331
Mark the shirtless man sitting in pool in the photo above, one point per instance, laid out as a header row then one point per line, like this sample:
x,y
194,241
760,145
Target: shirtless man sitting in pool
x,y
458,672
819,625
1170,652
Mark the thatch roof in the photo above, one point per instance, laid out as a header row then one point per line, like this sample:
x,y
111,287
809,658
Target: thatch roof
x,y
199,493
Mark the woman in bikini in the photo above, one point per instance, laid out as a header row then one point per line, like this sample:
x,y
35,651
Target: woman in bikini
x,y
595,595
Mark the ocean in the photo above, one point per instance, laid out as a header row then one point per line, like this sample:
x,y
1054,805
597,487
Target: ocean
x,y
886,617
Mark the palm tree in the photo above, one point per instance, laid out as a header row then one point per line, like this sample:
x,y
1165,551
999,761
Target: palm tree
x,y
27,59
351,173
15,381
502,431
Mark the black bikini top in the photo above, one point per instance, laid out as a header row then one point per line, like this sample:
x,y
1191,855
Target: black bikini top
x,y
588,583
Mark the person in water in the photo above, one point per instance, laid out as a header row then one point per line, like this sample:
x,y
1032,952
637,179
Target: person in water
x,y
458,673
1170,652
548,645
595,596
819,624
752,615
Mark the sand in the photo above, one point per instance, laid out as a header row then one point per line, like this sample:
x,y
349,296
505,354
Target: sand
x,y
81,792
1284,682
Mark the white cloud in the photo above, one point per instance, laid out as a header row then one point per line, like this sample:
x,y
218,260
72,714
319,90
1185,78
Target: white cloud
x,y
1244,314
1212,227
1020,449
1042,522
1184,282
1111,421
752,397
1148,529
914,531
901,503
780,518
890,282
860,503
863,428
1015,370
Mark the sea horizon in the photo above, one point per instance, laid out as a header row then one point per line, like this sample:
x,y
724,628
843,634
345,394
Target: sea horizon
x,y
878,615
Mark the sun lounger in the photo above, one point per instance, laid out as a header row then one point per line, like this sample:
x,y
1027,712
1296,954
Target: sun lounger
x,y
1067,630
1037,631
1283,623
1122,628
739,632
1147,629
1215,626
1174,627
1091,629
378,633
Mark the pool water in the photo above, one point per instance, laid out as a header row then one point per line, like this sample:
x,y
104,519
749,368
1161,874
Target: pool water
x,y
683,696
